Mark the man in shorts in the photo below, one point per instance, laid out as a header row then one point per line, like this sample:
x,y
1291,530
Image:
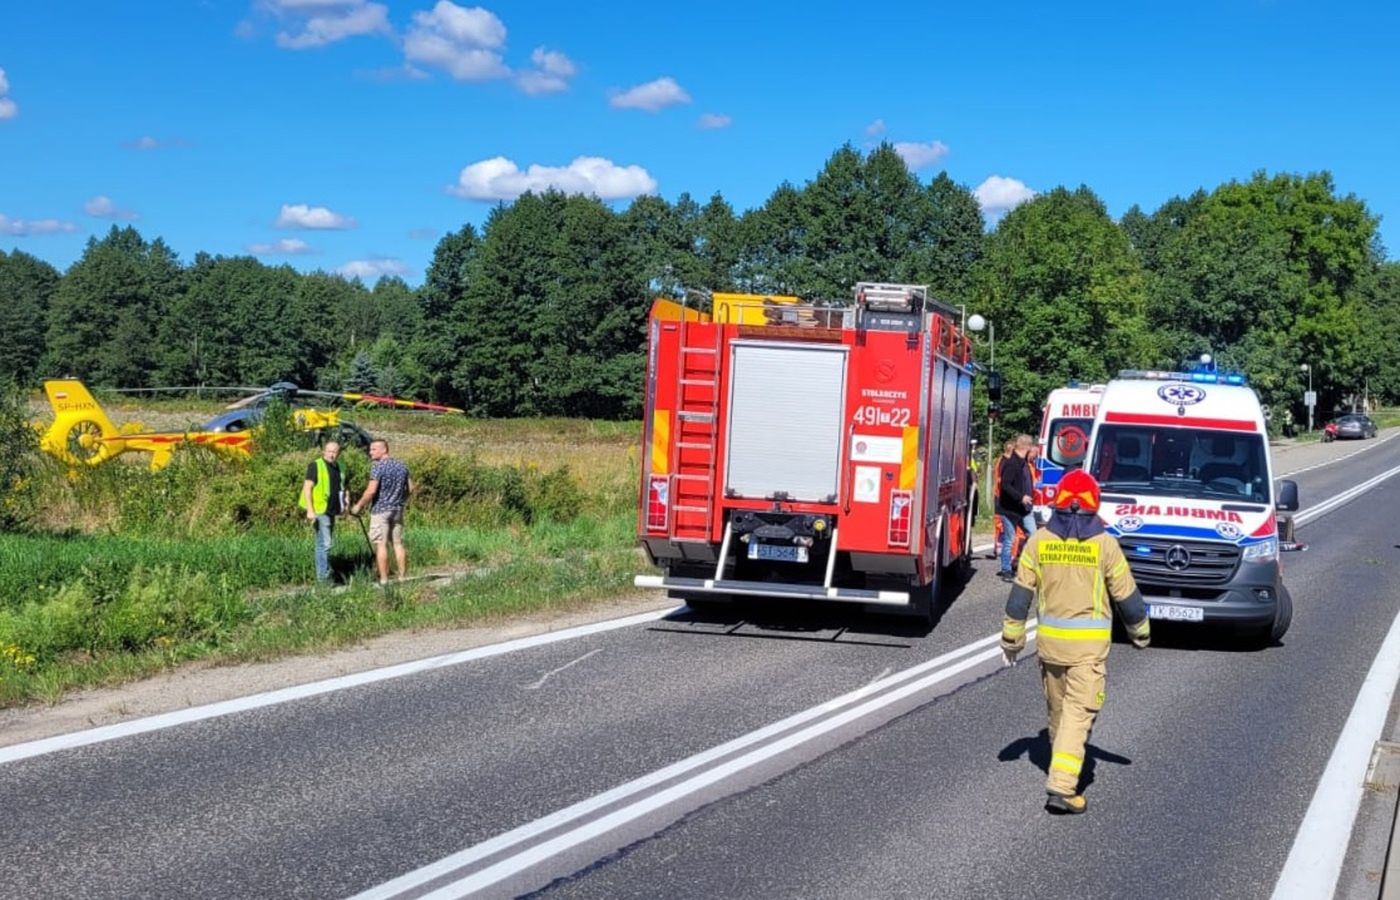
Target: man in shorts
x,y
389,487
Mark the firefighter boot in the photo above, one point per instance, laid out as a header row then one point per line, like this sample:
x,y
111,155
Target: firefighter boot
x,y
1060,805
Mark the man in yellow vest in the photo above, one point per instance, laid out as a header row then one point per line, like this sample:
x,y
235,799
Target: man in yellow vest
x,y
323,497
1075,573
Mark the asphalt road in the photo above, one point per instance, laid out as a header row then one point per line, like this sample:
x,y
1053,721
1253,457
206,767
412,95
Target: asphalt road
x,y
1206,758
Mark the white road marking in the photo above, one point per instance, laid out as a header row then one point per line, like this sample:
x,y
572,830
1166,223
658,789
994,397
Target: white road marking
x,y
1320,847
545,677
881,676
1331,503
312,689
757,746
1332,462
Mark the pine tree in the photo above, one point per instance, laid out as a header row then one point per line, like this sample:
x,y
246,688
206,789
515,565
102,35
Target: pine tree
x,y
361,377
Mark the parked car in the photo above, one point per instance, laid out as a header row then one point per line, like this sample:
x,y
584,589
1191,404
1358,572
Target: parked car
x,y
1353,425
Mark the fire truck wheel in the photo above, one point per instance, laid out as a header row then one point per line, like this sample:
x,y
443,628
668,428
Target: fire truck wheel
x,y
702,604
923,602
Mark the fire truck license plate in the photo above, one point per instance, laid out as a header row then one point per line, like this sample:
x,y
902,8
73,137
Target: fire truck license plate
x,y
1176,613
780,552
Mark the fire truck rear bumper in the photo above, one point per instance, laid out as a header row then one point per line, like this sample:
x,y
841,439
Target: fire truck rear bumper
x,y
767,589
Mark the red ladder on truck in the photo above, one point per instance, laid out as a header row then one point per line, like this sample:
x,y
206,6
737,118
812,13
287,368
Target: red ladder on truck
x,y
697,431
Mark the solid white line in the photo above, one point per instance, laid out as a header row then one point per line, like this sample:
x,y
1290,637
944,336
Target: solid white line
x,y
1337,500
583,808
1320,847
1332,462
545,677
553,847
312,689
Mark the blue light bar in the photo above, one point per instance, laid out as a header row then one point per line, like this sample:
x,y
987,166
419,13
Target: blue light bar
x,y
1198,377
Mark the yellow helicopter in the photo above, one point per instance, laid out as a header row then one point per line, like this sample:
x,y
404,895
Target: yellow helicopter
x,y
83,435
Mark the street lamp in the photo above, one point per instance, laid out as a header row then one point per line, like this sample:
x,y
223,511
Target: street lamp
x,y
1309,399
977,322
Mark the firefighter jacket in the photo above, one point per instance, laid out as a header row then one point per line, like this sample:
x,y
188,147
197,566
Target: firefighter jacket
x,y
1074,582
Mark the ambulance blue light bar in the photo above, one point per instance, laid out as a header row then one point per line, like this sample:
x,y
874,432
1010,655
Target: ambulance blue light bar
x,y
1198,377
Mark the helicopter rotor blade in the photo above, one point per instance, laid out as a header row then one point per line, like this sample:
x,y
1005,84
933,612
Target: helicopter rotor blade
x,y
379,400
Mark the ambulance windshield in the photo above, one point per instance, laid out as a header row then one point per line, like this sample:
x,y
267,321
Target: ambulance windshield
x,y
1181,462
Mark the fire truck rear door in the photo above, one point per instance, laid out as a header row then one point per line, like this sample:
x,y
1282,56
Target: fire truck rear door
x,y
786,404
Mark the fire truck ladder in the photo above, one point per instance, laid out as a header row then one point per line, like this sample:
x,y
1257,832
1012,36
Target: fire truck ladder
x,y
697,432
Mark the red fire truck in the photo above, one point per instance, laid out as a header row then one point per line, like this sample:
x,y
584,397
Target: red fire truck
x,y
808,452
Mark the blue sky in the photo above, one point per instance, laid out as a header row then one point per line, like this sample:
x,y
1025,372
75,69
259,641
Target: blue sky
x,y
349,135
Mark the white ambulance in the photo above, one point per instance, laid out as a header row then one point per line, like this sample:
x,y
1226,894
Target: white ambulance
x,y
1183,463
1065,424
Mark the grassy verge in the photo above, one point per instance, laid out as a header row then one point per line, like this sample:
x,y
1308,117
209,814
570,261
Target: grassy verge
x,y
145,605
122,572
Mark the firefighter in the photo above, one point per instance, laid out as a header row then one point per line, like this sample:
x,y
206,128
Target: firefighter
x,y
1067,568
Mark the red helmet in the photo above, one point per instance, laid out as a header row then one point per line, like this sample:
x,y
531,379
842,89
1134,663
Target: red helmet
x,y
1077,492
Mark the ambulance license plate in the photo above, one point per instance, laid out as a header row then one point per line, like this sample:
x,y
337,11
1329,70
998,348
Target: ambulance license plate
x,y
1176,613
779,552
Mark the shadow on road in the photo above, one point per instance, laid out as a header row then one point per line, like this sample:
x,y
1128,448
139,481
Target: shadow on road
x,y
1037,750
780,619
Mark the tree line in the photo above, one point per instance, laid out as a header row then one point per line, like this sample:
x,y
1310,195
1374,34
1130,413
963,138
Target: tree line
x,y
542,311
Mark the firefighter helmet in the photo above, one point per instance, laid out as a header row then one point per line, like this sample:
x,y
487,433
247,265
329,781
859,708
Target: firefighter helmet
x,y
1077,492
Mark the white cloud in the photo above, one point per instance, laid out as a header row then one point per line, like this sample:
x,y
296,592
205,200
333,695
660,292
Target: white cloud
x,y
404,72
875,128
26,227
102,207
283,247
551,73
323,22
653,96
917,156
463,41
710,121
997,195
300,215
500,179
146,142
372,269
8,108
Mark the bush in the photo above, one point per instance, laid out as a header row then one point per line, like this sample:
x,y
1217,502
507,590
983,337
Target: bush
x,y
461,490
108,610
19,451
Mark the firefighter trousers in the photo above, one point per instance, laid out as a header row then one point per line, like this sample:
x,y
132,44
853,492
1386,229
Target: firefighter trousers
x,y
1073,697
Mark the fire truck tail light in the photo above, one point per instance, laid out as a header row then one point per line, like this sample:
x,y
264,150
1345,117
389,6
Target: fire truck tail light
x,y
901,514
658,502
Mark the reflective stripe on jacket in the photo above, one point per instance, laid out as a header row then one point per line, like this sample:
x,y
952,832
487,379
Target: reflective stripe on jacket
x,y
1073,583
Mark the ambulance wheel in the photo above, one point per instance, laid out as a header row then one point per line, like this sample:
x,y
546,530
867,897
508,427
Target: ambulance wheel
x,y
1283,615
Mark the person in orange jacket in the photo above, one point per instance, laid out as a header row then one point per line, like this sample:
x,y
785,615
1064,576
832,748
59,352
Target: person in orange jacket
x,y
1006,450
1077,577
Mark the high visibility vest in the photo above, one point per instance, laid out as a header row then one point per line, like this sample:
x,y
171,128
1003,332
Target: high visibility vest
x,y
321,490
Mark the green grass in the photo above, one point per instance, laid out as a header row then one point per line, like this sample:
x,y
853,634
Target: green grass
x,y
124,572
88,611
